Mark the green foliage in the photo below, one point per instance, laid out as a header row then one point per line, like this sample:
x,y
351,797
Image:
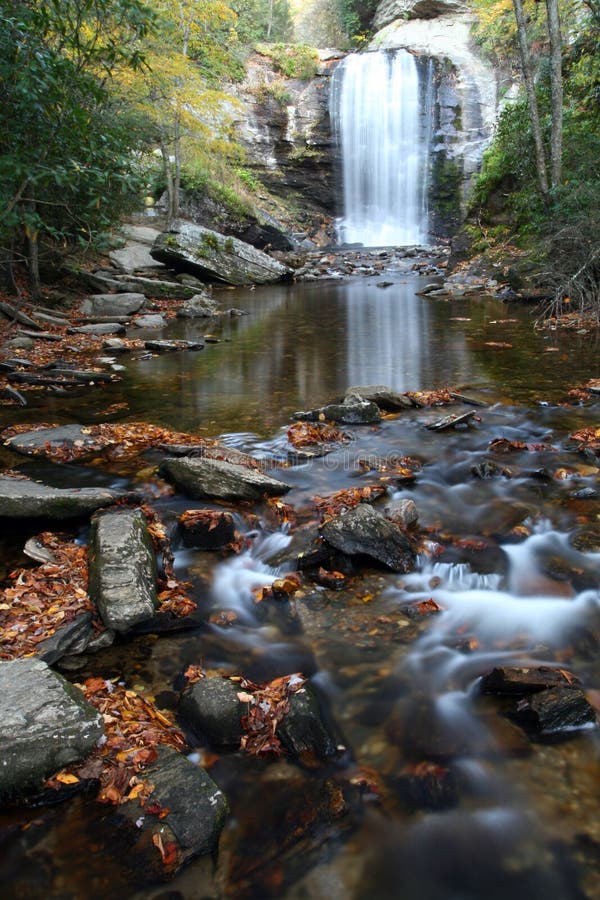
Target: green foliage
x,y
357,16
248,179
293,61
261,20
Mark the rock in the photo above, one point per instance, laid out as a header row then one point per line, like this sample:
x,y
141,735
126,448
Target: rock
x,y
21,498
451,421
200,306
353,411
36,443
306,550
199,477
172,346
520,680
365,531
213,709
554,710
428,785
206,529
99,329
402,512
122,568
71,638
134,256
116,345
383,396
210,255
46,724
150,321
20,343
192,813
157,288
112,304
487,468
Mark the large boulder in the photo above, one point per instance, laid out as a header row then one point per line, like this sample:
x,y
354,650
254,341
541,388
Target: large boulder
x,y
390,10
112,304
21,498
364,531
200,477
122,568
210,255
46,724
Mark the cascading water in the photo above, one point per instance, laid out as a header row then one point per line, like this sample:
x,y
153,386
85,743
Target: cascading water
x,y
381,114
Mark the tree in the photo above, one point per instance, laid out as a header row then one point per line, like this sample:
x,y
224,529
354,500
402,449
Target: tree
x,y
65,152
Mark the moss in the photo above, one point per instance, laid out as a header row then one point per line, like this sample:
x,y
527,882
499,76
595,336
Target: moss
x,y
293,61
445,192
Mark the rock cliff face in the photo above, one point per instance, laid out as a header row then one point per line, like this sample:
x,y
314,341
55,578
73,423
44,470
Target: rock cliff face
x,y
466,96
391,10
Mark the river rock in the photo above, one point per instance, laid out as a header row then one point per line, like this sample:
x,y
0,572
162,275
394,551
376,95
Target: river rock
x,y
99,329
198,477
155,287
122,568
200,306
353,411
37,443
366,532
554,710
72,638
112,304
21,498
384,397
526,680
134,256
212,256
402,512
191,813
150,321
207,529
46,724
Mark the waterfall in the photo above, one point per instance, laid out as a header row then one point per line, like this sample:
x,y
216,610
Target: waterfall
x,y
381,117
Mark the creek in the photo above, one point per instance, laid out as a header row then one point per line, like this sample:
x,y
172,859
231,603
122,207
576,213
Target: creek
x,y
514,567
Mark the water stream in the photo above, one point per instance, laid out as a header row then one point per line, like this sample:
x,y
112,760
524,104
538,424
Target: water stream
x,y
513,563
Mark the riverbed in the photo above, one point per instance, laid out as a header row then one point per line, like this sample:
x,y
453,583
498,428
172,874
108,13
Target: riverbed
x,y
511,566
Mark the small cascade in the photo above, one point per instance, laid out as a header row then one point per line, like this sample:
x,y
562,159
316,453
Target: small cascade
x,y
382,113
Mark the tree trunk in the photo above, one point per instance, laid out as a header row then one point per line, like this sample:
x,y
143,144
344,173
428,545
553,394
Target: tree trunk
x,y
270,19
556,84
33,250
534,116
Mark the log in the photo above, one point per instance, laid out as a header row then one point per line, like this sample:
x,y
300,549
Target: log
x,y
52,320
11,312
40,335
13,394
43,380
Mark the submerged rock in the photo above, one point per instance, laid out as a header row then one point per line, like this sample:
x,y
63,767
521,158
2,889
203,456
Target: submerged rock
x,y
556,709
198,477
353,411
366,532
46,724
42,440
526,680
211,255
24,499
122,568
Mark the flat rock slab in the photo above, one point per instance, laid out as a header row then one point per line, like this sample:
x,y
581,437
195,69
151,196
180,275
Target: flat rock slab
x,y
37,443
125,304
212,256
150,321
194,811
135,255
385,397
365,531
24,499
122,568
353,411
100,329
46,724
172,346
198,477
526,680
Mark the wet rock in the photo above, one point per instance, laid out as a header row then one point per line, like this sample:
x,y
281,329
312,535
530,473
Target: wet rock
x,y
353,411
402,512
34,443
24,499
206,529
303,731
115,345
200,306
70,639
451,421
157,289
555,710
99,329
487,468
173,346
367,532
112,304
150,321
190,812
122,568
198,477
428,785
217,258
521,680
306,550
46,724
384,397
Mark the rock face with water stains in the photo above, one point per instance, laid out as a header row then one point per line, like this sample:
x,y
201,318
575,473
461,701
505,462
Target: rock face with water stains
x,y
46,724
122,568
198,477
24,499
212,256
389,10
364,531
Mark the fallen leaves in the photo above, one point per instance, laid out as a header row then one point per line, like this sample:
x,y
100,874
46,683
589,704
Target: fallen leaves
x,y
307,434
503,445
343,500
587,437
440,397
267,705
41,600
